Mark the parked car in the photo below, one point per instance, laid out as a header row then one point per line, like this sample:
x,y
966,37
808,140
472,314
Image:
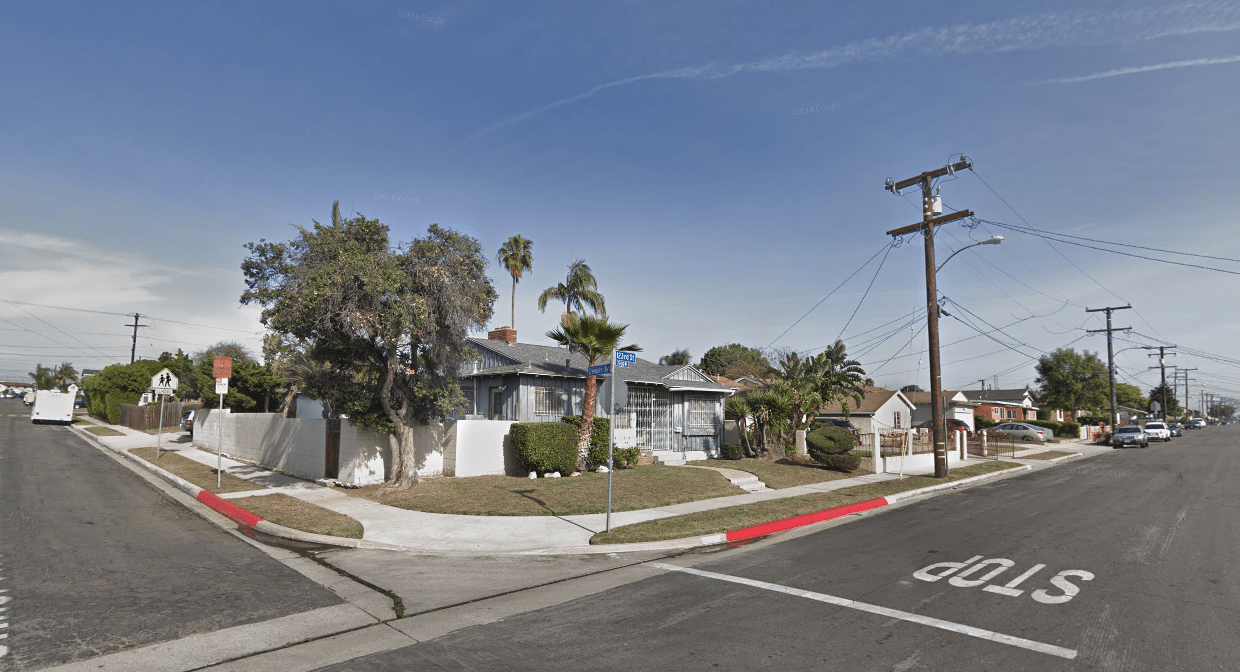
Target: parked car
x,y
187,423
1176,429
838,422
1130,435
1158,430
1021,431
952,423
1196,423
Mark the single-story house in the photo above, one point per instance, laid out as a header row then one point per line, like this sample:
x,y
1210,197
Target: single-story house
x,y
1004,405
879,411
674,409
956,406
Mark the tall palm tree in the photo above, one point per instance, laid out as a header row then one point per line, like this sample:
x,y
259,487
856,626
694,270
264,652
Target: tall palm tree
x,y
578,291
841,378
593,338
516,255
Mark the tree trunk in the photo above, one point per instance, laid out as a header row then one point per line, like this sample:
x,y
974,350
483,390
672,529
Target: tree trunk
x,y
404,460
514,302
290,402
587,423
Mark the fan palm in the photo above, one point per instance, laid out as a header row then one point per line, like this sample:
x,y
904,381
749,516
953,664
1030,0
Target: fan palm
x,y
593,338
516,255
578,291
841,378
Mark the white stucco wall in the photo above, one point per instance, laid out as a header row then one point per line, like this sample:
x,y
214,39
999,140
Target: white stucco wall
x,y
479,448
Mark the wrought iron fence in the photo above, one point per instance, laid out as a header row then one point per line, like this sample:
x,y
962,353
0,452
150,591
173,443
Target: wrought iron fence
x,y
989,446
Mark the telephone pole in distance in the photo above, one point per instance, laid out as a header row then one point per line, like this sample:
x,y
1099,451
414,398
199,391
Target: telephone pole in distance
x,y
1110,355
133,350
926,227
1162,365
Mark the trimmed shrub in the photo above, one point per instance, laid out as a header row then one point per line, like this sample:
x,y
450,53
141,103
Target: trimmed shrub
x,y
982,423
825,443
545,447
731,451
844,462
621,458
1069,430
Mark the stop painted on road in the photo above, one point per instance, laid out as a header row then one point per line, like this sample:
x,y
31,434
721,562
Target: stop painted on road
x,y
961,576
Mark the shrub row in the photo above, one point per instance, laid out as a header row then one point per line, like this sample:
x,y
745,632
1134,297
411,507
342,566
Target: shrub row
x,y
547,447
1069,430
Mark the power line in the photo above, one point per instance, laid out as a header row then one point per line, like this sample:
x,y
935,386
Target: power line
x,y
867,292
149,317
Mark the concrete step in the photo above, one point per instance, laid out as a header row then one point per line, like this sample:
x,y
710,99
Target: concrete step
x,y
748,483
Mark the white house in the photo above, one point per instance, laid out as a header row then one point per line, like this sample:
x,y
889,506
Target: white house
x,y
956,406
879,411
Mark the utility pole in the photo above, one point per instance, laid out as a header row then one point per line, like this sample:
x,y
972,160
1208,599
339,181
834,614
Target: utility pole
x,y
1162,365
926,227
1110,355
133,350
1187,401
983,382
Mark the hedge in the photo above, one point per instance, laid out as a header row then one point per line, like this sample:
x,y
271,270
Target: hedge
x,y
545,447
844,462
621,458
829,445
731,451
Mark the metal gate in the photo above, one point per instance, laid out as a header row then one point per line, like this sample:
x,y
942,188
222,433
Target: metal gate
x,y
653,410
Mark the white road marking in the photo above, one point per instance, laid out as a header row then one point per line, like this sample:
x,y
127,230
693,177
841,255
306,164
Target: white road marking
x,y
1010,588
969,630
4,617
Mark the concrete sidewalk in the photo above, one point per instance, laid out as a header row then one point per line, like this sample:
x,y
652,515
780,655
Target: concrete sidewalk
x,y
446,533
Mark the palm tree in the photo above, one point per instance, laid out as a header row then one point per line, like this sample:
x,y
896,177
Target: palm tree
x,y
516,255
841,378
578,291
593,338
677,358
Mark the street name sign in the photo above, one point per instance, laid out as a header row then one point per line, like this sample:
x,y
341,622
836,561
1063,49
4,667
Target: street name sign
x,y
598,370
623,359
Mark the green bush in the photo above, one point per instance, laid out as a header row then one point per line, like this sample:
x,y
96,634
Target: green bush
x,y
621,458
1069,430
545,447
982,423
828,442
731,451
1093,419
844,462
112,408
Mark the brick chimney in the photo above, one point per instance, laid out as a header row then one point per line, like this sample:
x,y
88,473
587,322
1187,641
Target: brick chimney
x,y
505,334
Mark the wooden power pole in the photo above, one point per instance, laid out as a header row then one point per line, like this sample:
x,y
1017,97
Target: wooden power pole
x,y
1110,356
926,227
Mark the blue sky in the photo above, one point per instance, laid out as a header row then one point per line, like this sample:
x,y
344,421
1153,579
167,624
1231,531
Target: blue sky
x,y
664,143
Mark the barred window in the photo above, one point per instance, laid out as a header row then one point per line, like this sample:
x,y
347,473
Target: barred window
x,y
701,411
548,401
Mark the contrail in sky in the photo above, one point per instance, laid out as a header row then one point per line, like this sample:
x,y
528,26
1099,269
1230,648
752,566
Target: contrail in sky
x,y
1017,34
1143,68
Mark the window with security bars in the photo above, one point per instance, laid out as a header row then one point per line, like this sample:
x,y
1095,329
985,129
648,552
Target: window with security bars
x,y
701,411
548,401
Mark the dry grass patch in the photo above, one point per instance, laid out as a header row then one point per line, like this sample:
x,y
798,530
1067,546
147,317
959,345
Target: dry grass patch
x,y
778,474
197,473
641,487
737,517
282,509
99,430
1048,455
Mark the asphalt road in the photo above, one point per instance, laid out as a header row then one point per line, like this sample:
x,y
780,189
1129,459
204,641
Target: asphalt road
x,y
1133,568
94,560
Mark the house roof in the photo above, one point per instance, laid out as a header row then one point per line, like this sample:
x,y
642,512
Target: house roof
x,y
1016,396
544,360
923,398
874,399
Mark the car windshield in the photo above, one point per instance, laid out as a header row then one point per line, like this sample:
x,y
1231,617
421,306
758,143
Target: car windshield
x,y
1128,430
1155,425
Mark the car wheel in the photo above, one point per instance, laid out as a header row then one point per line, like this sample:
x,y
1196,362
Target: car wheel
x,y
1026,438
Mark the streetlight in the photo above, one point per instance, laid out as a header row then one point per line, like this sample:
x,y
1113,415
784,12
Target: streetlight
x,y
993,240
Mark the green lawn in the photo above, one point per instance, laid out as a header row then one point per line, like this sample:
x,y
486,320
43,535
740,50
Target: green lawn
x,y
737,517
99,430
779,474
297,514
641,487
1048,455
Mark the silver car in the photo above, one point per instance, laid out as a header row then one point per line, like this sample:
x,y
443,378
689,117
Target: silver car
x,y
1130,435
1021,431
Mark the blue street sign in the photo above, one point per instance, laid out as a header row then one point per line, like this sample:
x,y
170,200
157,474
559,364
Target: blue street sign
x,y
599,370
624,358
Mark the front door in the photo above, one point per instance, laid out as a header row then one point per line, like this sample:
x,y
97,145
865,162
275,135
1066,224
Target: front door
x,y
497,403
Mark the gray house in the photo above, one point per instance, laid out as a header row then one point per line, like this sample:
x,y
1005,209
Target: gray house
x,y
674,409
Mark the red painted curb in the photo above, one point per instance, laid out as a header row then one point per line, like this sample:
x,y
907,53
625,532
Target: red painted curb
x,y
231,510
807,519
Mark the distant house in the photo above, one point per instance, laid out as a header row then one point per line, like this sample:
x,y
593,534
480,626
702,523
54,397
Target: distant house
x,y
1004,405
674,409
956,405
879,411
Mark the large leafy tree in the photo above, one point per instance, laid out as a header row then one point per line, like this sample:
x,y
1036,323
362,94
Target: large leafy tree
x,y
735,360
1071,380
593,338
578,291
516,255
1173,405
389,323
1128,395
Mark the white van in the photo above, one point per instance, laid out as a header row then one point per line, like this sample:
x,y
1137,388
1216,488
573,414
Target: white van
x,y
54,406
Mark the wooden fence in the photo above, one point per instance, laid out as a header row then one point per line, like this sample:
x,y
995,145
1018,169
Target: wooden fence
x,y
147,417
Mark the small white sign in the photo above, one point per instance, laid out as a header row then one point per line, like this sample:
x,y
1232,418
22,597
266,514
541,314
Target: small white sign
x,y
164,382
221,386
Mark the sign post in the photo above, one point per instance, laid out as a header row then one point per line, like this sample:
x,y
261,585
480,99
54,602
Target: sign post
x,y
618,360
223,371
162,385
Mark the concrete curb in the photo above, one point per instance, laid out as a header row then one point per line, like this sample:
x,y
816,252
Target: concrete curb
x,y
234,512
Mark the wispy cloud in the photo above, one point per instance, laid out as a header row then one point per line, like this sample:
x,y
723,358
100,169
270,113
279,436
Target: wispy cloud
x,y
1016,34
1143,68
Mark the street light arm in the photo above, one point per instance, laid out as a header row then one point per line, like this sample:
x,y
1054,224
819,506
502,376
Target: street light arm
x,y
993,240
